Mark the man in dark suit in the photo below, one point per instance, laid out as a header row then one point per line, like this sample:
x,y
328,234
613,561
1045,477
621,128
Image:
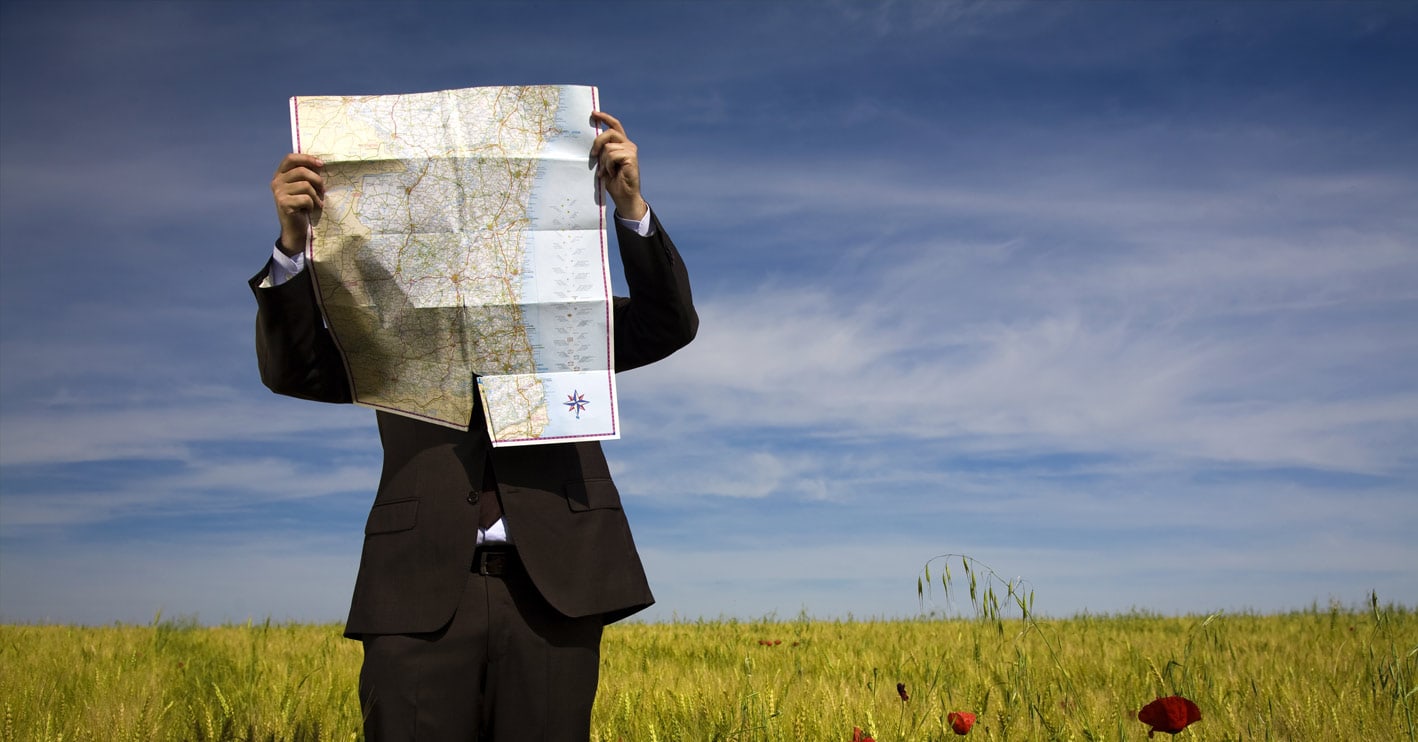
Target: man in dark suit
x,y
487,575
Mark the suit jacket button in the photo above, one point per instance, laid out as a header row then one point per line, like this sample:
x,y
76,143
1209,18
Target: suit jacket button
x,y
473,497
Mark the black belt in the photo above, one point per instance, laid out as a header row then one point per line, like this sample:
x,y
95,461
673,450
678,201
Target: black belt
x,y
495,560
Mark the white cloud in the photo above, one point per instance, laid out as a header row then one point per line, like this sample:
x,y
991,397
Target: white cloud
x,y
794,361
154,430
200,488
1251,317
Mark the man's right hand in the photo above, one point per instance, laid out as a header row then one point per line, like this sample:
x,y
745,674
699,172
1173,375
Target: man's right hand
x,y
299,190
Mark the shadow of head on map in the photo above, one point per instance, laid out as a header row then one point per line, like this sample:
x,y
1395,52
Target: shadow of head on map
x,y
397,349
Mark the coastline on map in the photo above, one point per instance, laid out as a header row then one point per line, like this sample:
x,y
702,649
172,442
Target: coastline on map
x,y
565,173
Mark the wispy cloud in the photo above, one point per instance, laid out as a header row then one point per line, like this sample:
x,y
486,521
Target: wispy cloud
x,y
198,488
150,429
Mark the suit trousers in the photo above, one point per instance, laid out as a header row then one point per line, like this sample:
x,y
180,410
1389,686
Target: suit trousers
x,y
507,668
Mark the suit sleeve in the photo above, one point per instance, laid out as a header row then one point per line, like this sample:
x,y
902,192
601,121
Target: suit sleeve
x,y
294,351
658,317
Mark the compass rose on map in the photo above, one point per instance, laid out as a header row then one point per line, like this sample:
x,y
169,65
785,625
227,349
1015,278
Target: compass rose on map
x,y
575,402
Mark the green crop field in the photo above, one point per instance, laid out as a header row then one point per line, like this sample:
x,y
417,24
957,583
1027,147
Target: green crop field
x,y
1327,673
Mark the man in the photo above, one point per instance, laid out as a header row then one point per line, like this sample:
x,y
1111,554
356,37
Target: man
x,y
486,576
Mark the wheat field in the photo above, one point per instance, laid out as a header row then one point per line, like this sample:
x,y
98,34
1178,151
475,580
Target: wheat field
x,y
1330,673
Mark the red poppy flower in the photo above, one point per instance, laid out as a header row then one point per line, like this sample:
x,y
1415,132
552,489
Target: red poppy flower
x,y
960,721
859,736
1171,715
901,691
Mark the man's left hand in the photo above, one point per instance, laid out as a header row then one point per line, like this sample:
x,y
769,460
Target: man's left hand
x,y
618,166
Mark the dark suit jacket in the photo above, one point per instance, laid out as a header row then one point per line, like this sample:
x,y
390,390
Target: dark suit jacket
x,y
561,508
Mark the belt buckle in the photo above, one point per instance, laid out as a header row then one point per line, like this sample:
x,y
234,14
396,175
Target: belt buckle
x,y
490,562
480,562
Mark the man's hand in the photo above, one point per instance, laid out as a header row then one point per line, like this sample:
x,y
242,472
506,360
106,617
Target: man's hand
x,y
299,190
618,166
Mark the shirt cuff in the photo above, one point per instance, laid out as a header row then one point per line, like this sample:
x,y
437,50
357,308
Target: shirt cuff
x,y
641,226
283,267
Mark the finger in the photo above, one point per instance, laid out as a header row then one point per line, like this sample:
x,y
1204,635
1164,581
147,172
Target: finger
x,y
298,160
610,121
303,175
616,156
298,196
605,138
298,211
303,204
614,132
298,175
616,149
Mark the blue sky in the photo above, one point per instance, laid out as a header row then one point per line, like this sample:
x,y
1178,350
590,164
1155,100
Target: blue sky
x,y
1117,298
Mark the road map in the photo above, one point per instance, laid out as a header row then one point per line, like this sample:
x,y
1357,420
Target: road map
x,y
462,252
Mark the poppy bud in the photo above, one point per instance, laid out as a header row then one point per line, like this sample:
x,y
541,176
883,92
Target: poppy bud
x,y
901,691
